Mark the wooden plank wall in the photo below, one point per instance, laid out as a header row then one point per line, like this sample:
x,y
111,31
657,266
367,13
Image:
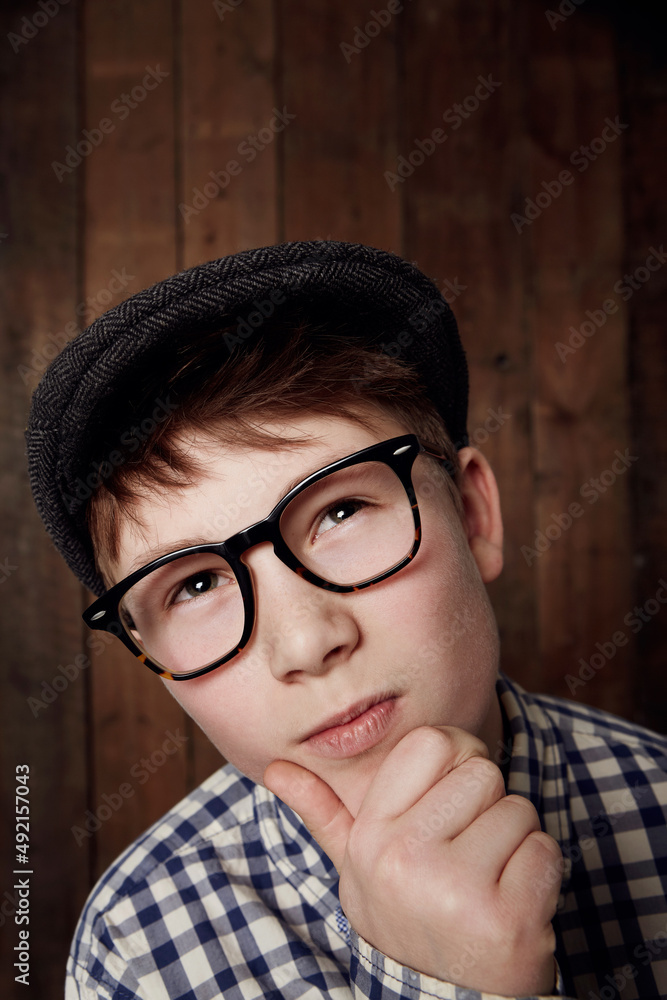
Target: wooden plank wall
x,y
515,94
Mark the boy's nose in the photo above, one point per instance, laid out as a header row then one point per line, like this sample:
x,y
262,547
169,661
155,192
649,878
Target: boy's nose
x,y
299,628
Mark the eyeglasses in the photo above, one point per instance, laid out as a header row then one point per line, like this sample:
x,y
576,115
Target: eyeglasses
x,y
343,528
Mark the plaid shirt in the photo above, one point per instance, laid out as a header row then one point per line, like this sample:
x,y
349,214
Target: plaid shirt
x,y
229,895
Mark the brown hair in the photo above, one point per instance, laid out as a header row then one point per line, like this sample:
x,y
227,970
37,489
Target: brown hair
x,y
294,369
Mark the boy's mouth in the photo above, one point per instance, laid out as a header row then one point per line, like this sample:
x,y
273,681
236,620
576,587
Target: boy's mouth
x,y
354,730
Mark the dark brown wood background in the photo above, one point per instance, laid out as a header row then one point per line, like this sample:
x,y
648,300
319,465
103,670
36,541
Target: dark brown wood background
x,y
229,65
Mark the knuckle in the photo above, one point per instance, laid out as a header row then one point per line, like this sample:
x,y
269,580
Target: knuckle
x,y
547,846
464,742
526,812
485,772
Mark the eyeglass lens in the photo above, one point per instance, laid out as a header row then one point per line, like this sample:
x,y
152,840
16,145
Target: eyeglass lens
x,y
349,527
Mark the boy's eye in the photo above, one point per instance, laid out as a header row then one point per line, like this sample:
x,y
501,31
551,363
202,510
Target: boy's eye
x,y
337,513
200,583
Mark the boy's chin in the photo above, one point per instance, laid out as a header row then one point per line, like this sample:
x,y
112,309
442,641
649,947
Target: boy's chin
x,y
352,783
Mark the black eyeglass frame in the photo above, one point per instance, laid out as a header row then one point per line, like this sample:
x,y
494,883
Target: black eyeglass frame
x,y
399,453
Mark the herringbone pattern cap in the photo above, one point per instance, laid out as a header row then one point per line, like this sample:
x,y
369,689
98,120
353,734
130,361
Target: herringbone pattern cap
x,y
391,304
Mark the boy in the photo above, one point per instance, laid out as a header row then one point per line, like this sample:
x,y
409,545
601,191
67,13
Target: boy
x,y
297,542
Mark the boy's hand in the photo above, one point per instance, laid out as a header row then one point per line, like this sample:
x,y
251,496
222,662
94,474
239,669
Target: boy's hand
x,y
440,870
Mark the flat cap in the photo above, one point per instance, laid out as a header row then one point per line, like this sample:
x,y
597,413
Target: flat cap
x,y
385,299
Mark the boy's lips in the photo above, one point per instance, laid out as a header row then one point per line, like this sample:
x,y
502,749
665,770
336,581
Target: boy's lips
x,y
356,729
353,712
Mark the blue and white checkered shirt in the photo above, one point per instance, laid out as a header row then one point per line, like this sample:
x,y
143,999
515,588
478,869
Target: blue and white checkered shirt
x,y
229,894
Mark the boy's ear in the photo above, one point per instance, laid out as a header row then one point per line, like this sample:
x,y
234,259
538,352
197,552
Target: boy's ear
x,y
482,519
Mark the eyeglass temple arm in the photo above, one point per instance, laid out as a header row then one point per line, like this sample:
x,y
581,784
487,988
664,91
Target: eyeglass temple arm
x,y
433,451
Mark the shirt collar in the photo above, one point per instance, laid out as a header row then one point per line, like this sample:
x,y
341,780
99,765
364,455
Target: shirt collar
x,y
525,749
538,764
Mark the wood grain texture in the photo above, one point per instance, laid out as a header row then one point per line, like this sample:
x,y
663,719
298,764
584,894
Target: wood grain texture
x,y
229,135
644,70
43,715
129,226
580,401
344,135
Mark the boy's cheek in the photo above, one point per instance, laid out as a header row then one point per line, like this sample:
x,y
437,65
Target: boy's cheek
x,y
202,698
437,603
232,719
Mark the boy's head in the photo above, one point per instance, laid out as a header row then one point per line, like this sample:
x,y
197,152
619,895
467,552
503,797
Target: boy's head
x,y
186,415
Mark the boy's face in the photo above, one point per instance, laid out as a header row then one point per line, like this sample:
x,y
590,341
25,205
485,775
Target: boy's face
x,y
425,637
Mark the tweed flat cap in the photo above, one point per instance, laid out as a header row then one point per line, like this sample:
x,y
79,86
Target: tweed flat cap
x,y
390,303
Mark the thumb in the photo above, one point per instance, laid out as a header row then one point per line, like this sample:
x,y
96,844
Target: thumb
x,y
316,803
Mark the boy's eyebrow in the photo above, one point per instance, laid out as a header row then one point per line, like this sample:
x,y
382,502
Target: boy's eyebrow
x,y
162,550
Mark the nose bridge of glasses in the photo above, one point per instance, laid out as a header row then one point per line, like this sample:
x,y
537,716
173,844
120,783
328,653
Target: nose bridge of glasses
x,y
266,530
240,543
